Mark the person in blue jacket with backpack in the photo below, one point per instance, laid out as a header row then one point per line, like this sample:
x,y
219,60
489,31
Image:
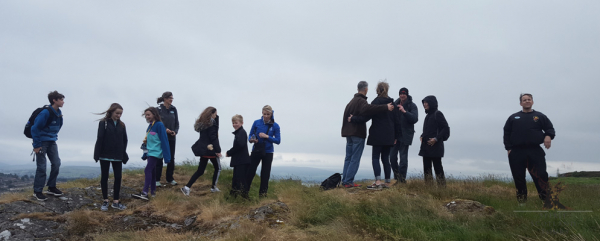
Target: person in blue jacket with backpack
x,y
264,133
44,133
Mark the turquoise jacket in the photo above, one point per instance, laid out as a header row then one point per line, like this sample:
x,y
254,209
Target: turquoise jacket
x,y
157,141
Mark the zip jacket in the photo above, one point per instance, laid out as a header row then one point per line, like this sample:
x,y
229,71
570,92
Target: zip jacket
x,y
157,141
259,126
41,132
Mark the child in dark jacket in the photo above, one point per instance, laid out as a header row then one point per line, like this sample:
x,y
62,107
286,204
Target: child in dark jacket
x,y
240,159
111,146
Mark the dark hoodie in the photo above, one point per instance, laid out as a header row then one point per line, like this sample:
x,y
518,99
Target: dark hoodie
x,y
434,126
405,122
208,135
381,132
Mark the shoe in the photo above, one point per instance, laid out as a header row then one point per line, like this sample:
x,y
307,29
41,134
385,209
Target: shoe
x,y
118,206
356,185
374,187
173,183
104,206
185,190
40,196
158,184
153,195
348,186
143,196
54,191
385,185
215,189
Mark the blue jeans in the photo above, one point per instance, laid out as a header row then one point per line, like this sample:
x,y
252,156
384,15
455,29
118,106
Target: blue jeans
x,y
354,149
384,153
399,171
50,148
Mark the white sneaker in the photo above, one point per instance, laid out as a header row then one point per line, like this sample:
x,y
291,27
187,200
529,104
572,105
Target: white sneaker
x,y
173,183
215,189
158,184
185,190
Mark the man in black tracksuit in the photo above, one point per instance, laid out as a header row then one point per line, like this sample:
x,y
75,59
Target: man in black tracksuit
x,y
524,131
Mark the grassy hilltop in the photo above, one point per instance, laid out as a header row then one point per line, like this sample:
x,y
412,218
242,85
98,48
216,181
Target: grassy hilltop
x,y
413,211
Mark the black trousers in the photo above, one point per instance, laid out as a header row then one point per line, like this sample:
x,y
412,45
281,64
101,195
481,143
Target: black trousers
x,y
117,171
202,168
265,171
439,170
238,182
170,165
532,159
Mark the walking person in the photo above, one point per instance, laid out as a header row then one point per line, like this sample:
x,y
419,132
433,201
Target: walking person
x,y
156,147
524,131
355,132
435,132
406,116
264,133
207,148
44,133
169,117
111,148
240,159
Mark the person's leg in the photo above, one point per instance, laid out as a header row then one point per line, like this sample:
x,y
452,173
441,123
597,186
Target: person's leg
x,y
217,165
54,163
104,172
358,145
265,173
117,172
518,166
439,171
394,160
158,169
403,167
40,172
201,167
385,159
427,170
347,160
251,171
537,169
149,174
171,165
375,161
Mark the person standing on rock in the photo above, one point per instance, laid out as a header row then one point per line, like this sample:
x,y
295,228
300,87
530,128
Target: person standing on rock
x,y
156,147
44,133
406,116
355,132
170,118
524,131
111,148
435,132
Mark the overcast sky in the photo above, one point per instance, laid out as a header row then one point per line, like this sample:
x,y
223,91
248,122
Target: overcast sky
x,y
305,58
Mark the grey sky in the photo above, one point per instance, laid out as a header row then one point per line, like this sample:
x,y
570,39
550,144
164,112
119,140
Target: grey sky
x,y
305,58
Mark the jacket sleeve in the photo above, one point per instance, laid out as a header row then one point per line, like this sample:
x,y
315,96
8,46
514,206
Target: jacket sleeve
x,y
125,156
99,140
213,136
252,130
413,115
164,141
507,133
442,125
238,143
366,109
547,127
360,119
38,125
276,137
176,121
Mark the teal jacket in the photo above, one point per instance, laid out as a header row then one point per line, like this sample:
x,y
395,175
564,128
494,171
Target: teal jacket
x,y
157,141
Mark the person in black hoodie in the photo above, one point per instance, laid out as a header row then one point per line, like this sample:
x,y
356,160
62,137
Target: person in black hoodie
x,y
240,159
111,147
406,116
524,131
381,136
169,117
208,148
435,132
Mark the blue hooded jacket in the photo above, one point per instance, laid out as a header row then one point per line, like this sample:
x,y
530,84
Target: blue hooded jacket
x,y
157,141
41,132
259,126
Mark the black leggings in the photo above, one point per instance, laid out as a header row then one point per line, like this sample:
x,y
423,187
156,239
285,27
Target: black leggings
x,y
202,167
170,165
265,171
117,170
439,170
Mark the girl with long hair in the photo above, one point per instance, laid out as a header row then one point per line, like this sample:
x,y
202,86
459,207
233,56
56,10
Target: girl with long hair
x,y
168,115
264,133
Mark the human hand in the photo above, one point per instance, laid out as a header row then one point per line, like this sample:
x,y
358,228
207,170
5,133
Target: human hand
x,y
431,141
390,106
350,118
210,147
219,155
263,135
401,108
509,152
547,142
395,141
37,150
421,138
227,154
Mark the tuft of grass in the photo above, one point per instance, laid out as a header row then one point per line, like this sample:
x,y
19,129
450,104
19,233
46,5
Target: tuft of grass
x,y
81,222
13,197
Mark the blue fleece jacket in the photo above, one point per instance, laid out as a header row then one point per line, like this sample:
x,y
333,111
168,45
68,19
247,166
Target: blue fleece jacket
x,y
41,132
274,133
157,141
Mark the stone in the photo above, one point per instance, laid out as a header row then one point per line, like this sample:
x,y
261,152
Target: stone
x,y
470,207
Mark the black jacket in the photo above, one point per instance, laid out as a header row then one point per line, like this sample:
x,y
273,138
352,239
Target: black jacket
x,y
169,118
434,126
239,152
111,141
527,130
381,132
405,122
209,135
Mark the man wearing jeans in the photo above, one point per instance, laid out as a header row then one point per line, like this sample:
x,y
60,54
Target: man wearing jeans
x,y
406,117
355,132
44,133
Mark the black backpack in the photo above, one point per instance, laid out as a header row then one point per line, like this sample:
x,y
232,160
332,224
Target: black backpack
x,y
31,120
332,182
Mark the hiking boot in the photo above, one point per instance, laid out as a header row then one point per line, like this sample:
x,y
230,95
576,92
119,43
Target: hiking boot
x,y
142,195
173,183
118,206
374,187
215,189
40,196
104,206
158,184
356,185
385,185
185,190
54,191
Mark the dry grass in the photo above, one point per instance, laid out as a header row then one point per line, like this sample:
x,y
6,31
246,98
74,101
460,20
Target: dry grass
x,y
13,197
81,222
79,183
48,216
155,234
